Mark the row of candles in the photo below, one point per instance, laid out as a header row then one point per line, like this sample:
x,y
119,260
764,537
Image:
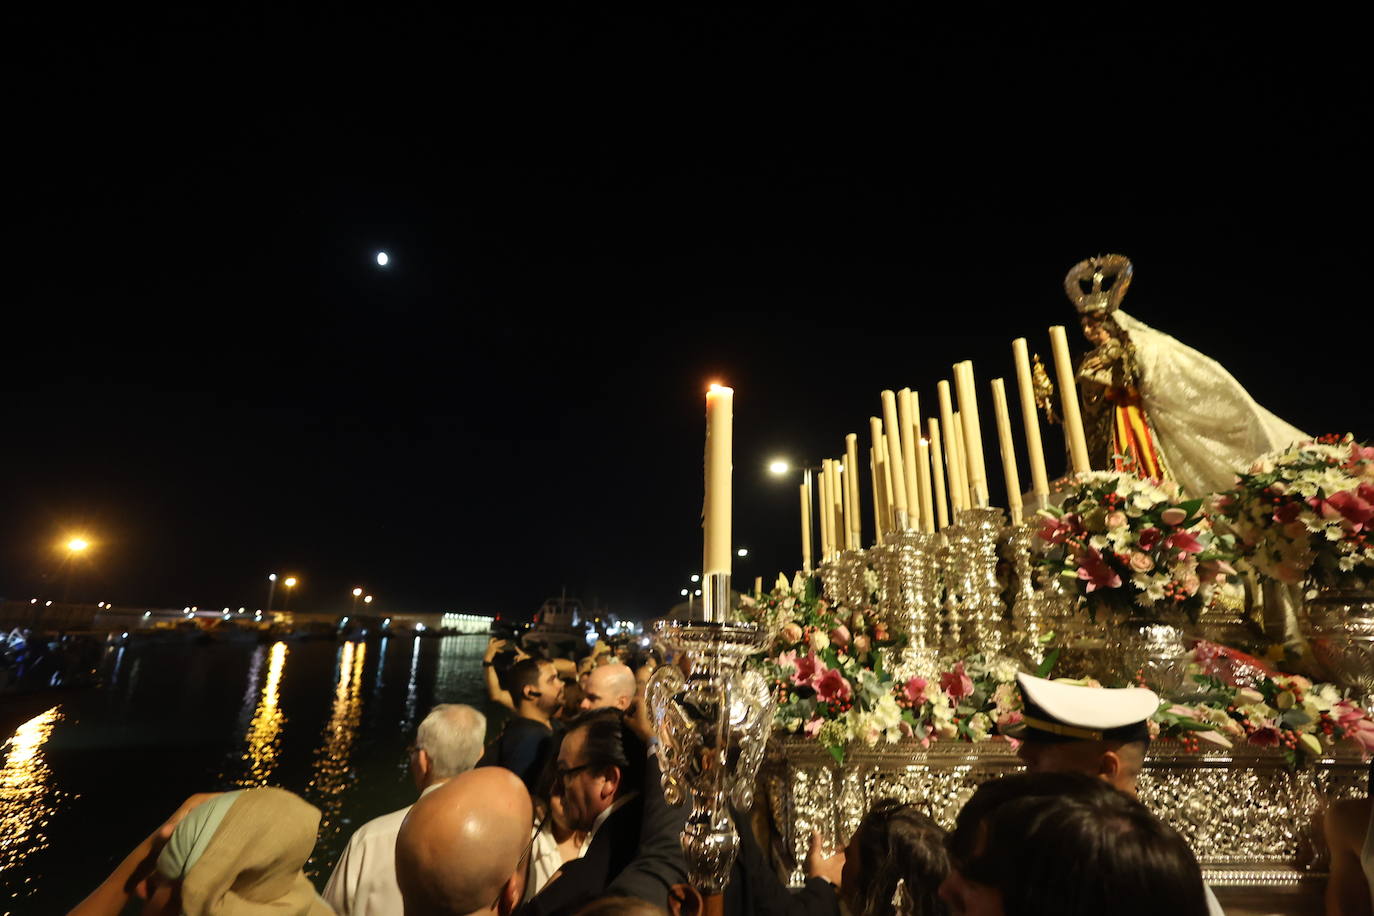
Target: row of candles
x,y
922,475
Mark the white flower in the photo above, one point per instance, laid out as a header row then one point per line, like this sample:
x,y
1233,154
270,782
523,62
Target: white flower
x,y
979,726
819,641
1003,670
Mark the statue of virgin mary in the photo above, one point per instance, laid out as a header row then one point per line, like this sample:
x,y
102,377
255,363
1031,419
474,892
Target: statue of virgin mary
x,y
1152,405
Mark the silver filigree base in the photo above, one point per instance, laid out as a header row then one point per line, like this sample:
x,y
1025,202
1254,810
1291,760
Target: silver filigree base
x,y
1339,626
974,610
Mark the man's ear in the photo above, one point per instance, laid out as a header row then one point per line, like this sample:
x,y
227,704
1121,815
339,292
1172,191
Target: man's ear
x,y
612,784
1109,765
423,766
511,892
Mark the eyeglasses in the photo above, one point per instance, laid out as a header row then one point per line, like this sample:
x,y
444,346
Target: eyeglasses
x,y
561,775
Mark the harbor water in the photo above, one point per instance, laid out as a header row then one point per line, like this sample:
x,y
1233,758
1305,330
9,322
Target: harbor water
x,y
85,774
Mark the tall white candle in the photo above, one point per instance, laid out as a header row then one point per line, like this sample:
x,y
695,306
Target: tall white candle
x,y
877,499
806,528
923,479
720,407
937,462
889,510
1013,479
958,459
894,457
1068,398
973,433
851,463
952,457
824,508
906,418
875,432
1030,419
847,534
837,506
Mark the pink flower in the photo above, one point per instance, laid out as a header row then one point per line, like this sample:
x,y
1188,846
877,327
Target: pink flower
x,y
1173,516
1265,736
1117,519
915,690
1288,512
813,727
1141,562
1183,541
1009,718
790,634
1356,724
831,686
880,631
862,645
1095,571
840,636
1354,509
1358,454
787,659
1149,537
956,683
809,667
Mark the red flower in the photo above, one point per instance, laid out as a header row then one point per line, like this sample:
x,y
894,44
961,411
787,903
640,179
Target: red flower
x,y
1149,537
809,667
831,687
1266,736
956,683
1059,530
1352,507
1184,541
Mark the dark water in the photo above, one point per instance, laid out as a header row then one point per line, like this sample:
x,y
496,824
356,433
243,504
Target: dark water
x,y
94,771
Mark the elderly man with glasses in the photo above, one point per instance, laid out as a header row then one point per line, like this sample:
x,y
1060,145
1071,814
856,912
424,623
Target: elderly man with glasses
x,y
609,787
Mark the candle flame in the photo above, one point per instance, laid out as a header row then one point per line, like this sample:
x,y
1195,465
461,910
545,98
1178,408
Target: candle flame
x,y
716,386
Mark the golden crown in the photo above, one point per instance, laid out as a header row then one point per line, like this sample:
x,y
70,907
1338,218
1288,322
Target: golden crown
x,y
1098,284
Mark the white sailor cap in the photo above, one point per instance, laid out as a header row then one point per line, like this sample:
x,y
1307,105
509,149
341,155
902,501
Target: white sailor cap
x,y
1056,711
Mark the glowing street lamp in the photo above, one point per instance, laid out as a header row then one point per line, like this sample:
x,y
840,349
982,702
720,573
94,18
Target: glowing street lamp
x,y
367,599
271,589
77,545
290,583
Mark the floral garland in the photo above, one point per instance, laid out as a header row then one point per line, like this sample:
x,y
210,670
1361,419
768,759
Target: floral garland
x,y
1305,514
1130,543
825,666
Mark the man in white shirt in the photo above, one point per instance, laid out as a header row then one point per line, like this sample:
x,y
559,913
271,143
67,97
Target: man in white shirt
x,y
447,743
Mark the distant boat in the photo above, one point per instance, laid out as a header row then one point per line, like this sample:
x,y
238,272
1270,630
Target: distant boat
x,y
559,628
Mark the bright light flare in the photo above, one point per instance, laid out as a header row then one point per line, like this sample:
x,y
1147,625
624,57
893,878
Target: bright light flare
x,y
78,544
778,466
383,258
289,582
742,552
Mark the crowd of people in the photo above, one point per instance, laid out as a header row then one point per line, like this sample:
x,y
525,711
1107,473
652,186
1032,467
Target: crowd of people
x,y
562,812
30,660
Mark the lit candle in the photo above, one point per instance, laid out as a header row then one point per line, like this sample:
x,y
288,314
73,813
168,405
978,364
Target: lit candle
x,y
720,406
806,527
972,433
951,455
758,586
937,462
894,457
906,417
1013,479
1068,399
1040,481
923,480
851,464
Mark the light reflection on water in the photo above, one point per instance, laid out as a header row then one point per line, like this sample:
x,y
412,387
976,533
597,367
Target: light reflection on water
x,y
263,737
174,719
28,798
333,767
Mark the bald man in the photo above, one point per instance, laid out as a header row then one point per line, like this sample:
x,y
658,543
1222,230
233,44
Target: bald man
x,y
611,685
461,849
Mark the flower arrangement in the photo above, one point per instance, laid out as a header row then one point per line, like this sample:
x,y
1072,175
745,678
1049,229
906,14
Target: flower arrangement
x,y
1306,513
825,665
974,698
1266,709
1132,543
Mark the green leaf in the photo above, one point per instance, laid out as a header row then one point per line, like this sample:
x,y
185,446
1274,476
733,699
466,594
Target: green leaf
x,y
1190,506
811,592
1048,664
837,752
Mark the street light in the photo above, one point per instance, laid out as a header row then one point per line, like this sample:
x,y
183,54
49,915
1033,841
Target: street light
x,y
271,588
353,608
290,583
742,552
76,546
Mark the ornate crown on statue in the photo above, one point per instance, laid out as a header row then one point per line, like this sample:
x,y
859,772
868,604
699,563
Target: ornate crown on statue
x,y
1097,285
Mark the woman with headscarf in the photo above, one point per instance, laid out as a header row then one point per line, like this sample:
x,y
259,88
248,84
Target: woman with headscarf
x,y
232,854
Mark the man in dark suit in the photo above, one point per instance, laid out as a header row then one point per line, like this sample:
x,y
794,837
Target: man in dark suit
x,y
610,787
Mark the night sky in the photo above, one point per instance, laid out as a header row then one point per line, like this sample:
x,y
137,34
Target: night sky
x,y
591,215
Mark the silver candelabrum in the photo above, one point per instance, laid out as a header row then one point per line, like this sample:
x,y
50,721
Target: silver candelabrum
x,y
712,725
909,589
973,596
